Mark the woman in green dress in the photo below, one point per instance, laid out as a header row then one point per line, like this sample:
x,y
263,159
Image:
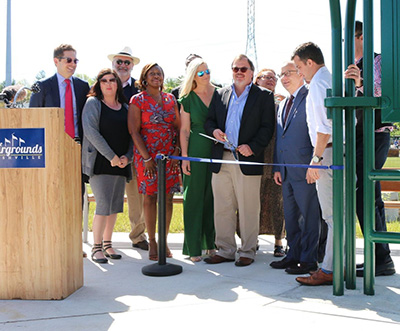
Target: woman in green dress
x,y
198,212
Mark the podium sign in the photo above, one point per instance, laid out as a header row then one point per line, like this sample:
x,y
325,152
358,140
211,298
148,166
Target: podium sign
x,y
40,206
22,148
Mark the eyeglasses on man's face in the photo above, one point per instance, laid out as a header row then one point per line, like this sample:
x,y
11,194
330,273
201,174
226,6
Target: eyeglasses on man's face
x,y
287,73
201,73
68,59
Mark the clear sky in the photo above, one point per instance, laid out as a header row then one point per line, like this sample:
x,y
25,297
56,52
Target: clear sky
x,y
162,31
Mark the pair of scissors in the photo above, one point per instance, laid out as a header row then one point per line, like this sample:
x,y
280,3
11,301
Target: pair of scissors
x,y
227,143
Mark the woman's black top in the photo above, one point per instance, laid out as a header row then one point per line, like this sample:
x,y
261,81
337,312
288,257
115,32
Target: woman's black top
x,y
113,127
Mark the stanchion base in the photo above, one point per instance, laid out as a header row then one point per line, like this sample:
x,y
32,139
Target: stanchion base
x,y
158,270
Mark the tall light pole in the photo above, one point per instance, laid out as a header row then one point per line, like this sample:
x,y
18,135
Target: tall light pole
x,y
8,45
251,50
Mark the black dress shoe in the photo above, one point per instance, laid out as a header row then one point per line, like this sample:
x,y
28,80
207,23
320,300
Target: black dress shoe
x,y
243,261
283,264
144,245
215,259
302,268
385,269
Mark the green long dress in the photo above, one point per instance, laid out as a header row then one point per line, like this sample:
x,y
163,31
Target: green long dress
x,y
198,209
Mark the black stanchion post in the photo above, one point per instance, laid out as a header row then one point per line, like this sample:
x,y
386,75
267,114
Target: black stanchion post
x,y
162,268
162,232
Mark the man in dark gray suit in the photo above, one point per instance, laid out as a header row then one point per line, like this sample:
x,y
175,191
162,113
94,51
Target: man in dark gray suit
x,y
300,200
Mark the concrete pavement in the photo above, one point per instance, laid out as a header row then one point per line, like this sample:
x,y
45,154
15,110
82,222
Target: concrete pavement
x,y
117,296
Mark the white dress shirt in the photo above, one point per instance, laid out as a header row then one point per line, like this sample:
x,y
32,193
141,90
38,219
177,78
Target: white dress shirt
x,y
317,119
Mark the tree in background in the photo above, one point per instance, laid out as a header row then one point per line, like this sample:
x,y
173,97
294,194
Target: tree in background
x,y
171,83
40,75
90,80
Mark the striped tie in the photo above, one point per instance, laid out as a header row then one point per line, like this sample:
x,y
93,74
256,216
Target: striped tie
x,y
288,108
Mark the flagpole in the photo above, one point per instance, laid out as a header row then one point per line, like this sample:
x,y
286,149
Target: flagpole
x,y
8,45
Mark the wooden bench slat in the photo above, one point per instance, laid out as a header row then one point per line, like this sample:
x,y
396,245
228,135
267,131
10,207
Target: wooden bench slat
x,y
392,204
390,186
177,198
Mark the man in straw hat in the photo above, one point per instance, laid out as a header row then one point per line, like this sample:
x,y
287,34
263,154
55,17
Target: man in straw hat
x,y
123,63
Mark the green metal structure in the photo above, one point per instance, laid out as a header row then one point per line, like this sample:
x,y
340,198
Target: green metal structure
x,y
336,102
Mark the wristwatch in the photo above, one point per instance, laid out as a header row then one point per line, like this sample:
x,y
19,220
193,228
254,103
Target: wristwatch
x,y
317,159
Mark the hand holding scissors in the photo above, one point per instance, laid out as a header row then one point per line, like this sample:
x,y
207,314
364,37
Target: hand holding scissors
x,y
221,137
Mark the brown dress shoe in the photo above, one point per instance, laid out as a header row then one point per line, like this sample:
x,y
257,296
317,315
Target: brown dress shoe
x,y
215,259
243,261
316,279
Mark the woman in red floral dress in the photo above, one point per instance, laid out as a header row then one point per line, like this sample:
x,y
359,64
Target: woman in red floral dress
x,y
154,125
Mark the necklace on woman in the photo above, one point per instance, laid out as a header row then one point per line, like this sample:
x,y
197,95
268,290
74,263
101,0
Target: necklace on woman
x,y
157,98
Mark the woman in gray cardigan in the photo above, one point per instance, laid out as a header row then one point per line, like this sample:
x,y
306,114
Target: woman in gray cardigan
x,y
107,149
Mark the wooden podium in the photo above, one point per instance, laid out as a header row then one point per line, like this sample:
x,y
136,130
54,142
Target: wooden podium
x,y
41,213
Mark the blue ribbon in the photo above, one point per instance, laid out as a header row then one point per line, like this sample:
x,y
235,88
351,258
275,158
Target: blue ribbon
x,y
206,160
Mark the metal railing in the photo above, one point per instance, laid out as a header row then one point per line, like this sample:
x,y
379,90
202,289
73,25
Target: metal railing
x,y
336,103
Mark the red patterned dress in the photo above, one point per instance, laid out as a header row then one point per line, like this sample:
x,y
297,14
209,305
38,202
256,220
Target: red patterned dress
x,y
159,135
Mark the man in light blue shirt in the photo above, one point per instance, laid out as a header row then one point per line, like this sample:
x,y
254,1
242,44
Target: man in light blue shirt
x,y
242,118
52,89
235,113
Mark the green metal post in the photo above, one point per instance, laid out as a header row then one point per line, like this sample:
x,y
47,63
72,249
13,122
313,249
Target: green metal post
x,y
350,169
337,134
369,154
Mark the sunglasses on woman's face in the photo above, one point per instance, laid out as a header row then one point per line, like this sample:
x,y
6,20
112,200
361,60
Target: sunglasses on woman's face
x,y
201,73
105,81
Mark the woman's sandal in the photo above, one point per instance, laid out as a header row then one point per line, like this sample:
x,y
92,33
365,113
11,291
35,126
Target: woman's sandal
x,y
278,251
153,250
108,245
95,249
195,258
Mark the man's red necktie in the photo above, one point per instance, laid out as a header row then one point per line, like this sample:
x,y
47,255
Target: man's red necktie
x,y
69,111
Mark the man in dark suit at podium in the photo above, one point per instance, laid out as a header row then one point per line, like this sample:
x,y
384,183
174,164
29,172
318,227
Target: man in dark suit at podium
x,y
54,91
64,91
